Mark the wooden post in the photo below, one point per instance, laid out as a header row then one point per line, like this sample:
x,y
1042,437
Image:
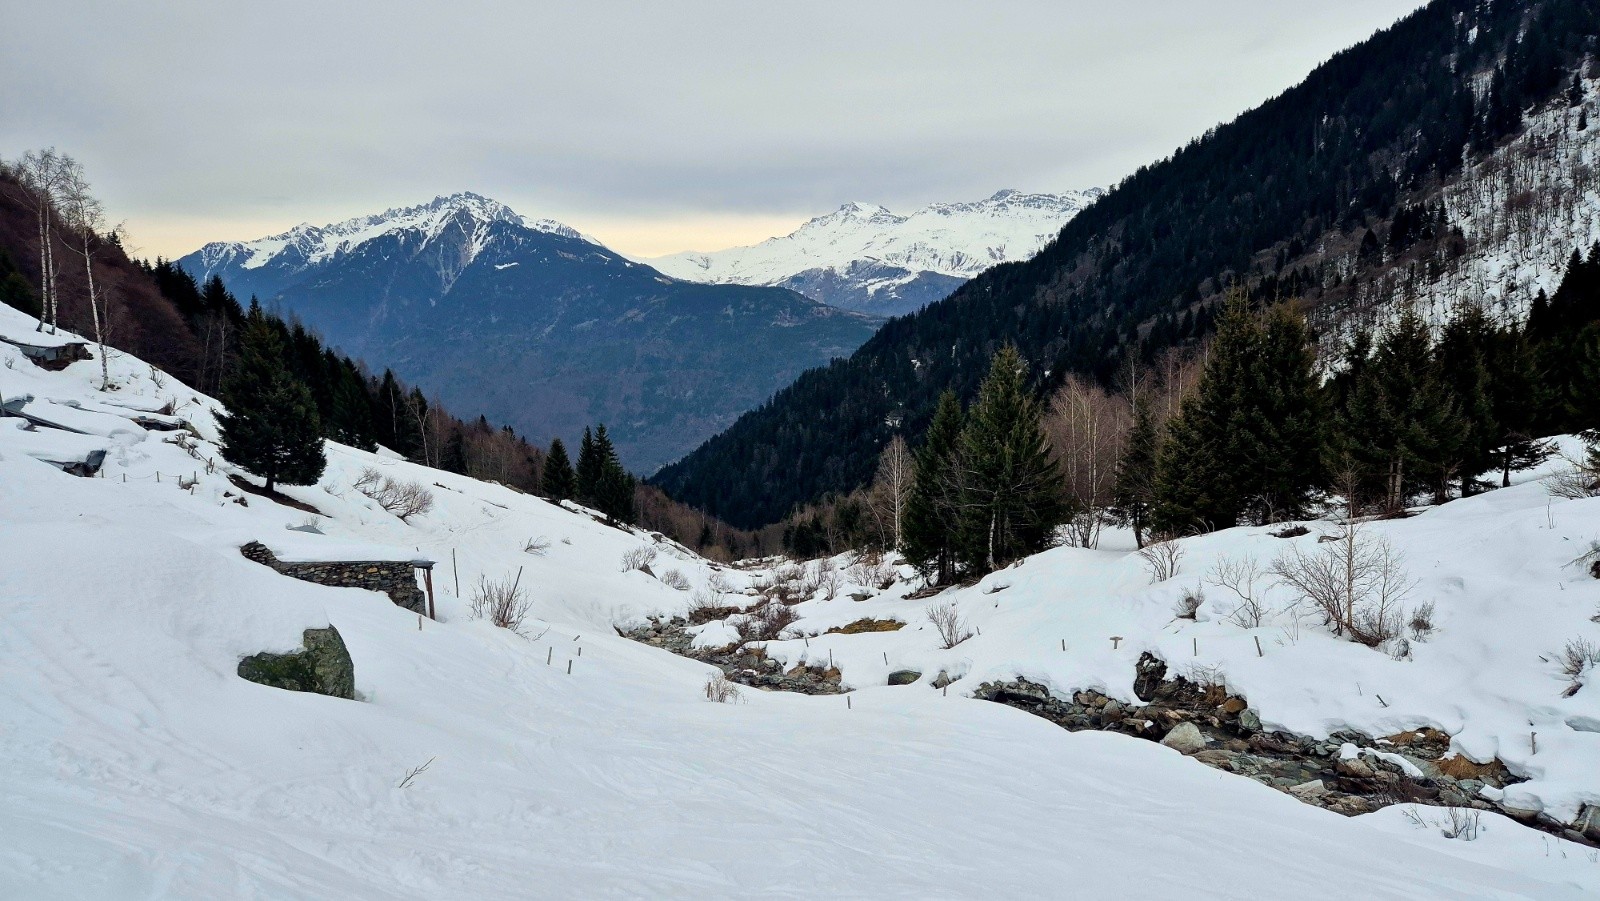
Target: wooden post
x,y
1196,646
456,570
427,580
1115,639
1063,644
847,704
569,666
580,650
550,656
1258,647
885,658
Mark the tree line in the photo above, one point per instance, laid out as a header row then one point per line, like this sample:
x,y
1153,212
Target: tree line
x,y
1248,430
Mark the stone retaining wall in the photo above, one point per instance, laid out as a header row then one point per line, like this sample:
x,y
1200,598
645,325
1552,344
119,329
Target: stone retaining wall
x,y
397,579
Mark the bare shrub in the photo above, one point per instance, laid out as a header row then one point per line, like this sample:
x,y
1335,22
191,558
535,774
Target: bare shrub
x,y
1574,481
1355,582
638,558
829,580
537,546
403,499
1422,621
872,571
1162,559
502,602
947,620
787,585
1462,823
1187,606
765,623
674,579
1206,676
1242,577
720,690
718,582
1575,659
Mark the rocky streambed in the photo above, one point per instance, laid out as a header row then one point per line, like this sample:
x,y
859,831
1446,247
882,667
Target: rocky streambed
x,y
1347,772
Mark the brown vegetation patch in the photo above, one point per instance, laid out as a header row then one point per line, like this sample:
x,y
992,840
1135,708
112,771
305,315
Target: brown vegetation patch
x,y
868,624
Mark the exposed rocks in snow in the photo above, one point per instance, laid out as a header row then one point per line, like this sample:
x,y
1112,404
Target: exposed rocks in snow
x,y
322,666
1348,773
397,579
746,664
1185,738
904,677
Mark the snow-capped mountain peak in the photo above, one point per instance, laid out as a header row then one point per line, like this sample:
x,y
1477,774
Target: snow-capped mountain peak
x,y
863,256
307,244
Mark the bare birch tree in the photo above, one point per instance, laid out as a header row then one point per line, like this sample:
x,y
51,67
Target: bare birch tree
x,y
84,218
1087,427
891,489
40,174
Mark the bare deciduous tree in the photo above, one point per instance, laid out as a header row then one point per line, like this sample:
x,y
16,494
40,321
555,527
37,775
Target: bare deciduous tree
x,y
85,219
891,488
1088,426
40,173
720,690
638,558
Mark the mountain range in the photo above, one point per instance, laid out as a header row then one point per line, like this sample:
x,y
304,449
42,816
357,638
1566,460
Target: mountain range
x,y
535,325
1447,159
864,257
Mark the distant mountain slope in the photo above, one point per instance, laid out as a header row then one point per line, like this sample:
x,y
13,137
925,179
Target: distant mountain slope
x,y
863,257
534,325
1329,192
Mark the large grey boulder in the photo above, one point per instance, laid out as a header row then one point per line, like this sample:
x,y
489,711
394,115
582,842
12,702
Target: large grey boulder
x,y
1185,738
904,677
322,666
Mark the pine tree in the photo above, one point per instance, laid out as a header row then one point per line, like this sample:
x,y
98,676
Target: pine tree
x,y
1513,392
271,427
928,532
1462,357
1134,492
1010,492
590,467
560,482
1418,424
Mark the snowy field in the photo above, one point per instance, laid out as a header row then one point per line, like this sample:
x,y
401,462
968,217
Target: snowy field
x,y
136,764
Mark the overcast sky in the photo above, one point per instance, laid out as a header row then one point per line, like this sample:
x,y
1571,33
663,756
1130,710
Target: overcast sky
x,y
657,127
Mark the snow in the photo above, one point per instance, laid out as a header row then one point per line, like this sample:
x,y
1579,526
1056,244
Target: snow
x,y
307,245
956,239
136,763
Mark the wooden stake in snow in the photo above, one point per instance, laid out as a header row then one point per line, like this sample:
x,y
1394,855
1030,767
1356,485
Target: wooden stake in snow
x,y
550,656
1258,647
847,704
1114,640
1063,644
1196,646
885,658
580,650
419,622
569,666
1533,742
456,570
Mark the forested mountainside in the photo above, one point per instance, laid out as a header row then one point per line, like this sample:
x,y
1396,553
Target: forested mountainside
x,y
537,326
1325,190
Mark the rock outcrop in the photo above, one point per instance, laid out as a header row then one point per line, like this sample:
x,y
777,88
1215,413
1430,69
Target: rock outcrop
x,y
322,666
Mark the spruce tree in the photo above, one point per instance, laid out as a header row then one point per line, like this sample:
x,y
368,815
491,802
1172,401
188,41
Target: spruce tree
x,y
1287,413
1134,492
1208,453
271,426
1011,495
1417,429
560,482
1513,390
1462,358
928,529
590,467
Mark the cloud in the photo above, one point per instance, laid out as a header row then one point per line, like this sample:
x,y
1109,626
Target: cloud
x,y
199,118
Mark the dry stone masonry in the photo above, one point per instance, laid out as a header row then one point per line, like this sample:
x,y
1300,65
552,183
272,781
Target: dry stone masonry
x,y
396,578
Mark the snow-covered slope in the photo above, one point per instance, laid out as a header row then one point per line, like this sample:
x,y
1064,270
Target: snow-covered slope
x,y
863,257
134,763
